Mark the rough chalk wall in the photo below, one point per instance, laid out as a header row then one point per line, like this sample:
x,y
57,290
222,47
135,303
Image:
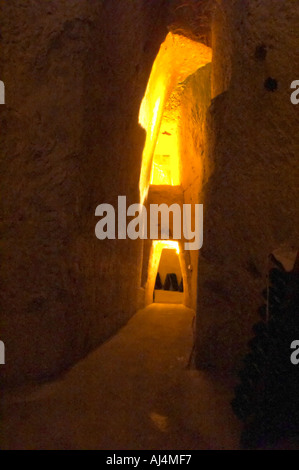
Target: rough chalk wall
x,y
196,99
252,196
75,73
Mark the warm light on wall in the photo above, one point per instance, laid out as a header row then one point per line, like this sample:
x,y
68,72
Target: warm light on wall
x,y
161,170
157,247
150,116
166,160
177,58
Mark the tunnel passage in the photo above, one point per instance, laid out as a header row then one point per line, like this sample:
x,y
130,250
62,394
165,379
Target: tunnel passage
x,y
173,113
177,59
169,286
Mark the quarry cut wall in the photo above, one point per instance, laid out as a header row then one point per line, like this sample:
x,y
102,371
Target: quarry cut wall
x,y
251,199
195,102
75,74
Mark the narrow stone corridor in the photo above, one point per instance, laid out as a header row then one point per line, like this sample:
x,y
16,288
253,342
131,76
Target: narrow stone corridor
x,y
134,392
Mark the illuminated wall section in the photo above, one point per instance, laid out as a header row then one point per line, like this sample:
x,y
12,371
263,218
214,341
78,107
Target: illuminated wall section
x,y
166,163
154,260
177,58
157,247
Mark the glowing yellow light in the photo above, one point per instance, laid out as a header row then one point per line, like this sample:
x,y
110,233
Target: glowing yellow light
x,y
155,115
159,245
161,173
177,58
165,166
150,119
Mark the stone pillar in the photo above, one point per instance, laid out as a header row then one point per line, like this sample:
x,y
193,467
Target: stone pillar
x,y
251,199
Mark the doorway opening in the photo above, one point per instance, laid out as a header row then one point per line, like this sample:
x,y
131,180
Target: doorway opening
x,y
166,277
169,285
177,59
172,113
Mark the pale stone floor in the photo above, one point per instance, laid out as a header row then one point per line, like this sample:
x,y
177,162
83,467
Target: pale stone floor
x,y
134,392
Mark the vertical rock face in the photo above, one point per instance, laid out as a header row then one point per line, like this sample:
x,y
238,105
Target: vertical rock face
x,y
69,141
75,74
196,100
251,199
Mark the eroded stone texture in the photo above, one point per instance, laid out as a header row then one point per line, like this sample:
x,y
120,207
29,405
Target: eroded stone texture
x,y
75,73
252,195
195,102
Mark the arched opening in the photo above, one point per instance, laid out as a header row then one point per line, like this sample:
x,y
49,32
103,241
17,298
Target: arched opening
x,y
166,257
169,285
177,59
173,114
